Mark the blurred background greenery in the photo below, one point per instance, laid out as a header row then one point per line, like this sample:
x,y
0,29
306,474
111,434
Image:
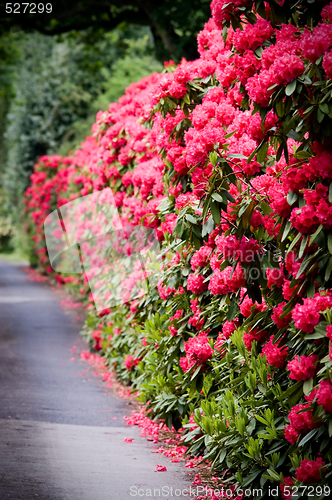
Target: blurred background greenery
x,y
58,71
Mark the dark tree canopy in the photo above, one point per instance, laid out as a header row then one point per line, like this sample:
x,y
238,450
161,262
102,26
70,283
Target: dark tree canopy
x,y
174,23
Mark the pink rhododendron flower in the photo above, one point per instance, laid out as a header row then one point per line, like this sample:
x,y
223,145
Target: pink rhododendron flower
x,y
248,307
164,291
160,468
306,316
309,471
190,464
198,350
253,334
197,480
200,258
275,277
302,422
275,355
291,434
221,9
277,312
177,315
196,320
173,331
130,362
288,481
195,283
229,327
324,395
329,336
222,282
303,368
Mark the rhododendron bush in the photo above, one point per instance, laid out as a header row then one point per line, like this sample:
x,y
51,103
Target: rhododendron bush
x,y
227,159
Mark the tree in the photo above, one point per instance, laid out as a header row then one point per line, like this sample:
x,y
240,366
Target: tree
x,y
61,83
174,23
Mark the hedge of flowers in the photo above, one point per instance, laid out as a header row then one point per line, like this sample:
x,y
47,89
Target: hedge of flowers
x,y
229,159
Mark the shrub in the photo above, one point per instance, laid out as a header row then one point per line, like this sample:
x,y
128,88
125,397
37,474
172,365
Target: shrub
x,y
234,175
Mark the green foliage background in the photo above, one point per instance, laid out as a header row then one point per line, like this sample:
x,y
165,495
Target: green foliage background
x,y
50,91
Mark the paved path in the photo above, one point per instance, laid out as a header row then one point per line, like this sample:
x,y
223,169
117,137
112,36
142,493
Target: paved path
x,y
58,437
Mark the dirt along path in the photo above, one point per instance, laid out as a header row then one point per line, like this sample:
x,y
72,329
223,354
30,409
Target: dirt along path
x,y
59,438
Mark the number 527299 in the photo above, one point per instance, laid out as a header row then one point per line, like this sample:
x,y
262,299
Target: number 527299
x,y
28,8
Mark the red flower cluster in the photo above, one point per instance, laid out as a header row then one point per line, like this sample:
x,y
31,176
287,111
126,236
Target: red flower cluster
x,y
195,283
275,355
309,471
307,315
303,368
299,422
198,350
130,362
226,281
324,395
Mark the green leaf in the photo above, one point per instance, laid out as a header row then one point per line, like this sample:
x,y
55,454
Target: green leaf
x,y
222,455
313,336
305,79
208,226
191,218
262,152
258,52
308,436
232,311
311,288
251,426
316,233
328,270
243,208
280,150
179,228
280,108
329,242
302,155
303,245
218,197
307,386
229,196
324,108
330,193
320,116
266,209
206,207
308,110
237,155
303,267
215,212
291,390
294,135
274,475
288,227
213,158
330,428
248,480
199,382
227,136
291,197
290,88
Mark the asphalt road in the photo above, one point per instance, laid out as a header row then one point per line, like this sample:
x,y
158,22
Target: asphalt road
x,y
59,438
